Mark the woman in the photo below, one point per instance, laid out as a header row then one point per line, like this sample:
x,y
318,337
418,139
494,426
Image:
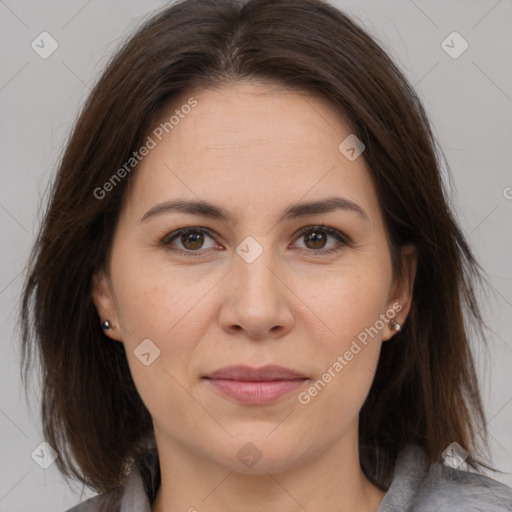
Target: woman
x,y
249,291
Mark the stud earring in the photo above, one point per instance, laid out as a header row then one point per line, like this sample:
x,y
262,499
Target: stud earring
x,y
106,325
395,326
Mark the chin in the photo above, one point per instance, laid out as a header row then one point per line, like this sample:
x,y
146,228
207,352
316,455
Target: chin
x,y
253,454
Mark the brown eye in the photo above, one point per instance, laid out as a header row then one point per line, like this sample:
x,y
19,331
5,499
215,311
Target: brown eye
x,y
192,240
188,240
315,238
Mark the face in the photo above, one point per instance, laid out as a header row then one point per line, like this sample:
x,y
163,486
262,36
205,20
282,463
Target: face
x,y
308,289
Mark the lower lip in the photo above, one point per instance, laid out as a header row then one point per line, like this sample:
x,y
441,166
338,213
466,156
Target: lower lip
x,y
256,393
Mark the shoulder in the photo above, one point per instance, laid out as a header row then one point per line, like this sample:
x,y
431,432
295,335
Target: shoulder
x,y
452,490
418,486
122,499
90,505
132,495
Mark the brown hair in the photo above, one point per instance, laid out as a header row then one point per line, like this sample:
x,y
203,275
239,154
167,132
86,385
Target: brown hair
x,y
425,389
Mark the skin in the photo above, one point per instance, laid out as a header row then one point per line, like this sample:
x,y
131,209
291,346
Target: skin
x,y
253,149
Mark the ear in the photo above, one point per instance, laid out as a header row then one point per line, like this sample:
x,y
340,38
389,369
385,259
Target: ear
x,y
103,299
400,298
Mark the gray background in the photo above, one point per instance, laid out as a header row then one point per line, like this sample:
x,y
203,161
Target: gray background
x,y
469,100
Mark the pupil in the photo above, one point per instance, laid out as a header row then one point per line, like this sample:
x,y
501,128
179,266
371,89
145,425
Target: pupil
x,y
195,239
315,237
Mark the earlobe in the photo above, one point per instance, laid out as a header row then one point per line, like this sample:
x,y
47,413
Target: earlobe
x,y
103,299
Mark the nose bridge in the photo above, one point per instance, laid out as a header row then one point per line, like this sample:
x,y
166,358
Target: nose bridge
x,y
256,300
252,268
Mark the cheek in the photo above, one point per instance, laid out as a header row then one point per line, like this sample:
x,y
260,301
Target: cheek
x,y
154,299
349,303
346,300
152,310
160,304
165,395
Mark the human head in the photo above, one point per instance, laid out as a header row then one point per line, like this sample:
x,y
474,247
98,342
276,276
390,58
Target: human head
x,y
205,46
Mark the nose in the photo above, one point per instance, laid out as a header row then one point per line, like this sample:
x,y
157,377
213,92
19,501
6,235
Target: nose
x,y
256,300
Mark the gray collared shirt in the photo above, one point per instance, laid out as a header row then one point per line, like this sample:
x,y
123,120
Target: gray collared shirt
x,y
416,487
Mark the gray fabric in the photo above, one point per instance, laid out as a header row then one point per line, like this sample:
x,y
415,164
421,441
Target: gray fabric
x,y
416,487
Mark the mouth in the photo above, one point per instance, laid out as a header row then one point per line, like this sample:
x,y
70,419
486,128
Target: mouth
x,y
255,386
250,373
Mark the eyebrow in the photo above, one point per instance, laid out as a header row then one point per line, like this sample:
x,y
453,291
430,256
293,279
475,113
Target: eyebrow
x,y
206,209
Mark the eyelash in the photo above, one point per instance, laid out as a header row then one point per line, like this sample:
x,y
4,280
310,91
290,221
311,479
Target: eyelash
x,y
342,239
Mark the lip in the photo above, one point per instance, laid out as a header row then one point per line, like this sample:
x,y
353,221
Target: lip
x,y
255,386
250,373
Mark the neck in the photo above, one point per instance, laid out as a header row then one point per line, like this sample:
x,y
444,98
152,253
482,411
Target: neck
x,y
331,480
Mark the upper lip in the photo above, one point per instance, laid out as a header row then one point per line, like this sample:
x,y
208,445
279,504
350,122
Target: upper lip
x,y
248,373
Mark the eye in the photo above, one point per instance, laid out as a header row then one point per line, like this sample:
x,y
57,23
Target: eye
x,y
192,240
315,238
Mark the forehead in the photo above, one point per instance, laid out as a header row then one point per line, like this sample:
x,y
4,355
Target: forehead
x,y
250,144
266,121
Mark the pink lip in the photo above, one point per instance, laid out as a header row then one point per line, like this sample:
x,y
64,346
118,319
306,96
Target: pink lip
x,y
255,386
249,373
256,393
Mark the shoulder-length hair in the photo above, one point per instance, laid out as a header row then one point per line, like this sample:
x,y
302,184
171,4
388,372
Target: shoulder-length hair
x,y
425,389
